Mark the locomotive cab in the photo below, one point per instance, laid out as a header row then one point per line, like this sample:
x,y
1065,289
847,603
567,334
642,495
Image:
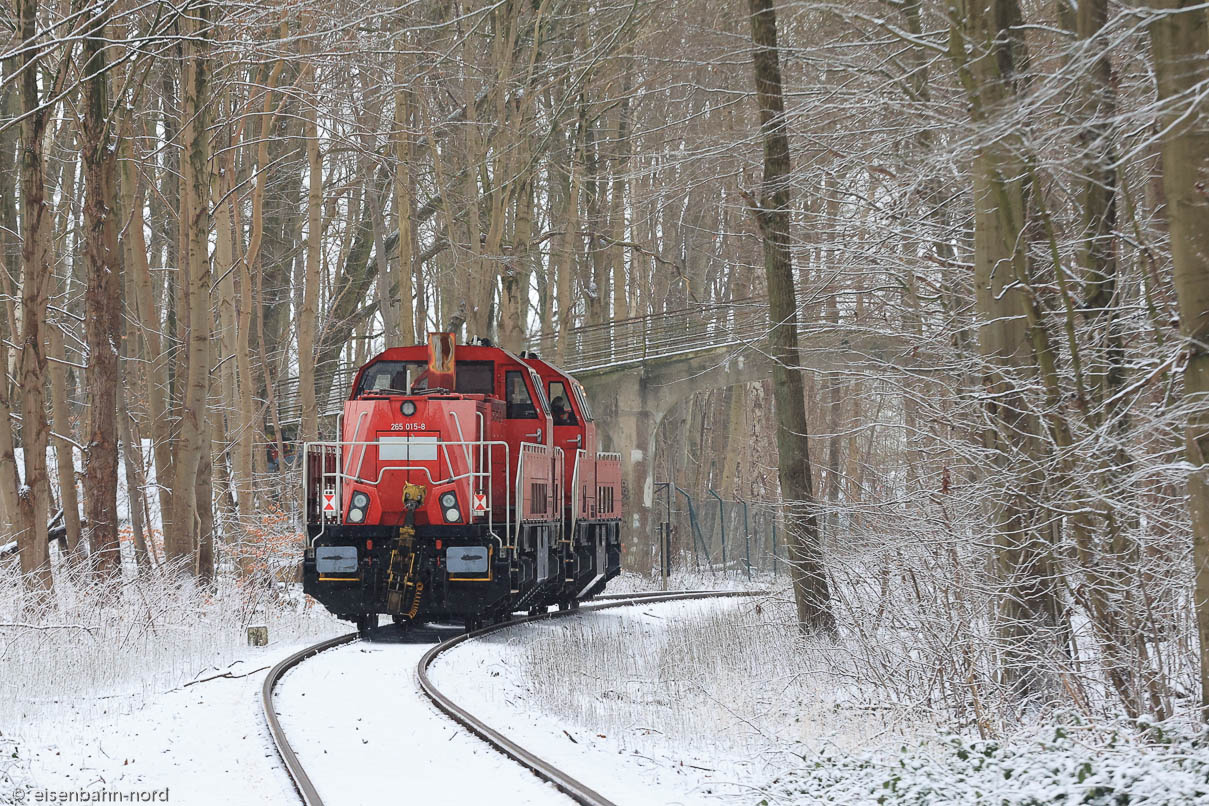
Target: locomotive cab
x,y
592,519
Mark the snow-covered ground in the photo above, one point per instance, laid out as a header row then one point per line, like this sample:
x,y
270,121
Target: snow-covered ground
x,y
204,743
705,702
110,689
640,758
716,701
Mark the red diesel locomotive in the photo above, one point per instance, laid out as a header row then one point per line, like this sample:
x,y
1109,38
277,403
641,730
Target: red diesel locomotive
x,y
466,485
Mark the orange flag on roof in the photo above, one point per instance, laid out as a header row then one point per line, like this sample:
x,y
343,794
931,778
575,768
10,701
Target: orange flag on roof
x,y
442,372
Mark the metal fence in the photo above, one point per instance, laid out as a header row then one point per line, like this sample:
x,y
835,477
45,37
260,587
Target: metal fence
x,y
716,534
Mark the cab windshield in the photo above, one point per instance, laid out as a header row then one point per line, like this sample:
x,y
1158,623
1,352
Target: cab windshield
x,y
399,377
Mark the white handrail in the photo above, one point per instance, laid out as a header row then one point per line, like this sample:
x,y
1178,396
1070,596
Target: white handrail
x,y
338,476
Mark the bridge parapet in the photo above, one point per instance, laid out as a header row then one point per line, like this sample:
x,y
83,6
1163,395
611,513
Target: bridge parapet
x,y
623,342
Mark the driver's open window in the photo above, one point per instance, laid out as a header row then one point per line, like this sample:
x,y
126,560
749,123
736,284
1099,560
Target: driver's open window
x,y
520,402
387,377
560,405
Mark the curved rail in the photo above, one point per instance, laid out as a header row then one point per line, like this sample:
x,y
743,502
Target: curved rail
x,y
576,790
306,790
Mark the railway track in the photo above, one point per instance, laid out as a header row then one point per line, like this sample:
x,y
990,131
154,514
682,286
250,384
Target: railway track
x,y
573,788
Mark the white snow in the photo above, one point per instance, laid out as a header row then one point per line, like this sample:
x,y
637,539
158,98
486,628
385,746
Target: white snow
x,y
635,763
702,702
206,743
148,686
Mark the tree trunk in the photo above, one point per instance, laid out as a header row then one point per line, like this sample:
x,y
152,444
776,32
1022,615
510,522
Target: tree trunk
x,y
155,367
1028,608
64,450
800,511
195,196
314,265
37,271
405,204
103,304
1179,41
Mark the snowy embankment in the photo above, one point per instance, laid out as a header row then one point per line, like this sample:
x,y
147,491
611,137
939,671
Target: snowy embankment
x,y
149,686
718,702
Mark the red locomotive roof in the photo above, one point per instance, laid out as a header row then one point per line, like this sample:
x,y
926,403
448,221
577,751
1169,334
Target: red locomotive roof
x,y
419,352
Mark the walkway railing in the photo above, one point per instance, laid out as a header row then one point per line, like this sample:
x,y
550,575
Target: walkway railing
x,y
666,334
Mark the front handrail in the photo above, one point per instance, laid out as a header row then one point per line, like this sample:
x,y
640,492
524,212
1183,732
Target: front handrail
x,y
339,476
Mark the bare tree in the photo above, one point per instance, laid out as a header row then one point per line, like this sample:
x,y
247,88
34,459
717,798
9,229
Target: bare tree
x,y
104,300
811,590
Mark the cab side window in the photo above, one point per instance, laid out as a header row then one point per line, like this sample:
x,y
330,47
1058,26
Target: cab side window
x,y
476,377
560,405
516,394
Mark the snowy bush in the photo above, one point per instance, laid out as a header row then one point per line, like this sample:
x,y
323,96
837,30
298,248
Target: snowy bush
x,y
88,647
1062,764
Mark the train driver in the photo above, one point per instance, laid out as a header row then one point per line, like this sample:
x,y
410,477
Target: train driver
x,y
562,415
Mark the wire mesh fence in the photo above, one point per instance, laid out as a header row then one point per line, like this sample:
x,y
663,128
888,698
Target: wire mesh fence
x,y
707,532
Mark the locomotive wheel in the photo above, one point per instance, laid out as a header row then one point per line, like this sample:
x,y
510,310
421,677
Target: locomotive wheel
x,y
402,622
366,621
473,624
538,611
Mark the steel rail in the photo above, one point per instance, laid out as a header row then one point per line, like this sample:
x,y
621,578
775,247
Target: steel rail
x,y
302,782
574,789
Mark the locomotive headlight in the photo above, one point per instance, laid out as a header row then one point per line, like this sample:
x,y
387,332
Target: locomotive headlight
x,y
360,503
452,515
408,408
449,500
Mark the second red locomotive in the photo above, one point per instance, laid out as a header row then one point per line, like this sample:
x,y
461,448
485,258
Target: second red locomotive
x,y
466,484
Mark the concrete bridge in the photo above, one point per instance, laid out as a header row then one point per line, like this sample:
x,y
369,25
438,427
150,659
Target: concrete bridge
x,y
638,370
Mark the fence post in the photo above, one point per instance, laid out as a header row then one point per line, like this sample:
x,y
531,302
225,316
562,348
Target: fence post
x,y
695,527
746,537
722,522
665,532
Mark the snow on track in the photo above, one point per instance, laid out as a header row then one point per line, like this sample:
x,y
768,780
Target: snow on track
x,y
365,732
